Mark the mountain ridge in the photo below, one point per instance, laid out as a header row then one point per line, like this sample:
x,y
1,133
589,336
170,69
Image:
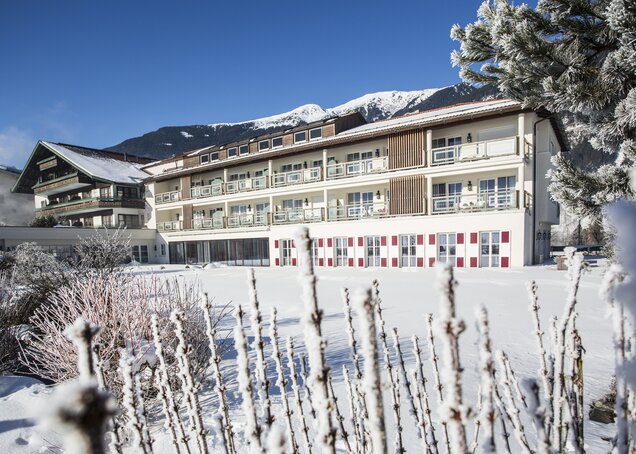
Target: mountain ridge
x,y
171,140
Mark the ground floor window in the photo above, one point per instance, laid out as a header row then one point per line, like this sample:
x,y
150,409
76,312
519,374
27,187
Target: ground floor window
x,y
286,252
130,220
408,254
447,248
373,250
340,250
237,252
489,249
140,253
315,256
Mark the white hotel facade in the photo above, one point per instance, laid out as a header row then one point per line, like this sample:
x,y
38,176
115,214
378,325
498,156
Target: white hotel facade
x,y
464,184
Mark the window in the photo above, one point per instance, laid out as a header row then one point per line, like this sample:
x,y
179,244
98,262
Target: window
x,y
238,176
214,155
128,220
315,133
204,158
373,250
408,254
88,222
359,156
124,192
442,142
489,249
263,145
300,137
497,192
340,250
231,152
163,249
140,253
447,248
277,142
360,198
292,204
439,143
290,167
244,149
317,163
104,193
107,221
285,252
315,252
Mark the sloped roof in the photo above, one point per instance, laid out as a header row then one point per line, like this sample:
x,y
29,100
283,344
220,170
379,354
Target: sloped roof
x,y
99,165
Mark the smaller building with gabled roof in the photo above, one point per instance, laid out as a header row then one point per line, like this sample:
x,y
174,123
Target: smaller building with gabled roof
x,y
85,187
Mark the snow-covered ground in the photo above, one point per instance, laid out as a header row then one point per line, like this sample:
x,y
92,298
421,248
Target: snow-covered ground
x,y
407,296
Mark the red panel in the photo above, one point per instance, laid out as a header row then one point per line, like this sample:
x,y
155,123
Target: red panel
x,y
383,240
276,244
431,261
473,237
350,241
473,262
351,262
360,262
277,262
431,238
329,242
383,261
329,261
504,262
505,237
394,262
460,262
293,243
460,238
420,239
360,241
293,262
321,262
394,240
420,262
321,242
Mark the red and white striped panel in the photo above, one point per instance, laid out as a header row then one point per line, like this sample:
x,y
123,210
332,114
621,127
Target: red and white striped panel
x,y
276,253
430,248
351,251
504,249
460,250
472,249
394,250
359,247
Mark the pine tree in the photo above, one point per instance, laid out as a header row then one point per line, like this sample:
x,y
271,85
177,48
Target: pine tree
x,y
575,57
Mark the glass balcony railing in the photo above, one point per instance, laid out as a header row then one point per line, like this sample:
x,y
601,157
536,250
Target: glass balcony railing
x,y
167,197
357,211
297,177
473,151
206,191
246,220
360,167
207,223
169,226
483,201
298,215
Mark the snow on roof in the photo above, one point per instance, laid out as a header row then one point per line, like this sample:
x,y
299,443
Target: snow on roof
x,y
101,167
442,113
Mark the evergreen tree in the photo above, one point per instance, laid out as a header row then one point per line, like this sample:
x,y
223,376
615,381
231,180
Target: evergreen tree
x,y
575,57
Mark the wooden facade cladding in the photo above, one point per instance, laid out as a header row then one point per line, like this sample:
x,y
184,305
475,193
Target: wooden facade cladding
x,y
406,149
187,216
186,184
407,195
192,161
253,147
328,131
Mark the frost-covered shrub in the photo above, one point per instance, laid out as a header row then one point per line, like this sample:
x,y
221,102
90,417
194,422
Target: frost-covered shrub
x,y
39,272
103,251
123,307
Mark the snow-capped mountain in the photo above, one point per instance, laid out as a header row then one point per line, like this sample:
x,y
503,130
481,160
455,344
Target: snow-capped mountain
x,y
171,140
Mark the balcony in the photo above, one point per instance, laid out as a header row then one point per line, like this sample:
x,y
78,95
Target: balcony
x,y
297,177
298,215
88,204
208,223
474,151
170,226
246,184
485,201
358,211
354,168
61,183
167,197
206,191
247,220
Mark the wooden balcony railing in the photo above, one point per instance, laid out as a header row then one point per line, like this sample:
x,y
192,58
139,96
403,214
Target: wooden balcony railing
x,y
93,202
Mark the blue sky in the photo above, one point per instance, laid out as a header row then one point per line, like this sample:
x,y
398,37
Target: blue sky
x,y
97,72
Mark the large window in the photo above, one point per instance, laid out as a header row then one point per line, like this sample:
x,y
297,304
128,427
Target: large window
x,y
300,137
408,250
129,220
373,250
447,248
340,250
124,192
489,249
315,254
140,253
315,133
497,192
238,252
286,252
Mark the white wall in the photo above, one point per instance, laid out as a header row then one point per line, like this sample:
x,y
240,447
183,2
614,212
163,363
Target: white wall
x,y
15,209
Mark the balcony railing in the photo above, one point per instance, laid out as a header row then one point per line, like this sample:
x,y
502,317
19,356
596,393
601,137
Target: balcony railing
x,y
246,184
169,226
298,215
353,168
167,197
207,223
246,220
206,191
474,151
297,177
484,201
80,203
357,211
